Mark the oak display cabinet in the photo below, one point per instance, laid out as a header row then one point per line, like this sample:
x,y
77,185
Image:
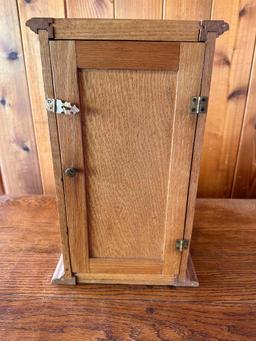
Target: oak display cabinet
x,y
126,103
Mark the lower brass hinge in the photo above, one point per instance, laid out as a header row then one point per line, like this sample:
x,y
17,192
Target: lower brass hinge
x,y
61,107
199,104
182,244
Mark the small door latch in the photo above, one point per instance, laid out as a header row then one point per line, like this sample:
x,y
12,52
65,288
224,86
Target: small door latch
x,y
199,104
61,107
182,244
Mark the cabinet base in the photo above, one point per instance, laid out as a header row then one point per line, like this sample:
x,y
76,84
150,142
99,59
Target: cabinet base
x,y
59,275
190,280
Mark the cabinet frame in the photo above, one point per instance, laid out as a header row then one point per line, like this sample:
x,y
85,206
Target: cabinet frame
x,y
203,32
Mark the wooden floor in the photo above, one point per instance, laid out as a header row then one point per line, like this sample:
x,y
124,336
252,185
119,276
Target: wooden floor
x,y
222,308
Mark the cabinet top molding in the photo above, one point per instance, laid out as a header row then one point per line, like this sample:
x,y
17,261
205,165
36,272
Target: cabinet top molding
x,y
128,29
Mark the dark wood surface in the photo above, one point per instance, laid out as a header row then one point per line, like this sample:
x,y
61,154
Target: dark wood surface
x,y
222,308
127,55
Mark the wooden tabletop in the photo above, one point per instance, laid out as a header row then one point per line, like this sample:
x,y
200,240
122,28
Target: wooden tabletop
x,y
222,308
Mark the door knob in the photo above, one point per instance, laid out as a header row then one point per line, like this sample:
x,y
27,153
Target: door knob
x,y
71,172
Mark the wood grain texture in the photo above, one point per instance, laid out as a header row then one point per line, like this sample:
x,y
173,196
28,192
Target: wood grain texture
x,y
197,149
127,142
184,125
223,306
28,9
90,8
187,9
231,72
63,59
125,278
220,134
127,55
18,156
142,212
1,184
106,29
143,9
244,185
127,266
55,149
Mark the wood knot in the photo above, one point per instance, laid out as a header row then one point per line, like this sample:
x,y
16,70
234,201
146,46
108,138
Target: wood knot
x,y
237,93
12,55
25,148
150,310
222,59
242,12
3,101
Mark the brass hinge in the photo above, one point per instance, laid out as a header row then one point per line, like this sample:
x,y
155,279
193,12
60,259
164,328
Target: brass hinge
x,y
199,104
182,244
61,107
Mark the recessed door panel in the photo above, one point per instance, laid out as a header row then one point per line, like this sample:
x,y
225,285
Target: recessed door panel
x,y
127,119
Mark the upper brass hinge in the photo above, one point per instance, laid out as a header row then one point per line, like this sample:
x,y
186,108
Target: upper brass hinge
x,y
182,244
217,26
199,104
46,24
61,107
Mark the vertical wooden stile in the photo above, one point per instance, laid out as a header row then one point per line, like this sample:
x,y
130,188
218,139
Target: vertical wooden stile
x,y
49,92
63,57
187,10
197,151
184,126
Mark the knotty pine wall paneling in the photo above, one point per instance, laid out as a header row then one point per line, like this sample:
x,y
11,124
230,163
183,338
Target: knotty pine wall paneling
x,y
143,9
18,152
244,184
1,184
230,81
90,9
28,9
187,9
227,167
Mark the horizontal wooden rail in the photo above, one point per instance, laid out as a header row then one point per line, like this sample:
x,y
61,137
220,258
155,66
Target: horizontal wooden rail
x,y
128,29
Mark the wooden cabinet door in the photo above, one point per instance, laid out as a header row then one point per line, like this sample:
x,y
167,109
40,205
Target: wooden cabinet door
x,y
132,145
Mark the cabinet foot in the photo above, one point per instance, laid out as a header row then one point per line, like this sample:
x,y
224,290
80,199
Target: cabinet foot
x,y
59,275
191,279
